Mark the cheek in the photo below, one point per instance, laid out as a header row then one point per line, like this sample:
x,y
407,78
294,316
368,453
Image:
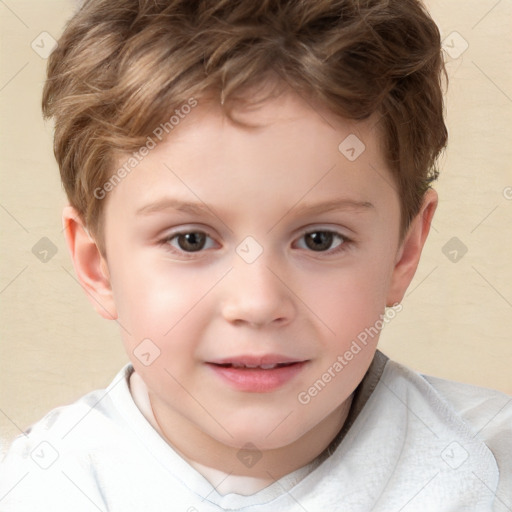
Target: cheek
x,y
350,299
166,306
145,304
148,295
159,321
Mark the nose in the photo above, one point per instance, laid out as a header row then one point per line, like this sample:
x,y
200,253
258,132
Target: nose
x,y
256,295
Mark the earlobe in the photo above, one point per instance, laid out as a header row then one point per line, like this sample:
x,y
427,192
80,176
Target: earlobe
x,y
410,250
90,266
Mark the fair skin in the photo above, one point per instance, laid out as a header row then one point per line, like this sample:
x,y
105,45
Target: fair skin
x,y
207,306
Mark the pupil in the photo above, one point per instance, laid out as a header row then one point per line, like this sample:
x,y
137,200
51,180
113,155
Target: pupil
x,y
192,241
321,240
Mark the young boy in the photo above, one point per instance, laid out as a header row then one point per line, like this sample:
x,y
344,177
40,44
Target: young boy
x,y
249,187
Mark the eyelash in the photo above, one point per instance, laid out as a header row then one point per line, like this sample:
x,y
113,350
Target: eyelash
x,y
343,246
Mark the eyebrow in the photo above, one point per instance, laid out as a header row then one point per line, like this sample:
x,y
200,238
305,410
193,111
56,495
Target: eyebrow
x,y
333,205
169,203
196,208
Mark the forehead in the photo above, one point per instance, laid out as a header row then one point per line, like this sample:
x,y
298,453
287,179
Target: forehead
x,y
286,151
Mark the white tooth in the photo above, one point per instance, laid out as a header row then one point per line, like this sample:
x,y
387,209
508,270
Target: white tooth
x,y
251,366
268,366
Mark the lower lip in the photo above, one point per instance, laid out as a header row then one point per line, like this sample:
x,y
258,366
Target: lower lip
x,y
257,380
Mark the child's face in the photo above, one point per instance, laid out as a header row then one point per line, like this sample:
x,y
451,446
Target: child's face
x,y
256,291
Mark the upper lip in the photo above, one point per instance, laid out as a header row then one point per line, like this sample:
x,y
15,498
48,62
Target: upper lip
x,y
257,360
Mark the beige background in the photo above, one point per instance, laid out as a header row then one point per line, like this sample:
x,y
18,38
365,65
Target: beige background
x,y
457,317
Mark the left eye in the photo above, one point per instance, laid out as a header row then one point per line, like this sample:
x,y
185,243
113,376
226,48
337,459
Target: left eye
x,y
193,241
321,241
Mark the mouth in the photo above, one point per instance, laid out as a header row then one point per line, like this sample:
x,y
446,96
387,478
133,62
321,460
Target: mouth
x,y
265,361
243,366
257,374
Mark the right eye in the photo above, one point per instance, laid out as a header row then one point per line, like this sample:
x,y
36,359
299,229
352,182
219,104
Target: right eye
x,y
188,242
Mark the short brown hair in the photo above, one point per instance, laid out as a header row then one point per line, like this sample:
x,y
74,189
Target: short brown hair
x,y
121,66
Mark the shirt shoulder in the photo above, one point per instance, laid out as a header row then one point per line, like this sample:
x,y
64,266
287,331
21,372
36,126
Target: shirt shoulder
x,y
487,410
58,452
487,413
93,409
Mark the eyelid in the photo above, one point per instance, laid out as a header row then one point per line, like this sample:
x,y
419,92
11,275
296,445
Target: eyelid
x,y
330,229
184,229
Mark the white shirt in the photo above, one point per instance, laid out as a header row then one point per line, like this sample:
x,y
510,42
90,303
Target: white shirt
x,y
418,444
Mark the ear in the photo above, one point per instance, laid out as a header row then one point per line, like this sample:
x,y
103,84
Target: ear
x,y
90,266
409,253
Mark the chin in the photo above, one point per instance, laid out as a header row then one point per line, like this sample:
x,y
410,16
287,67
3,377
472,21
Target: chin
x,y
262,436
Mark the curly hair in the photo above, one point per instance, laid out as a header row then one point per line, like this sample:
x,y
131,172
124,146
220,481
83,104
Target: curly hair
x,y
122,66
